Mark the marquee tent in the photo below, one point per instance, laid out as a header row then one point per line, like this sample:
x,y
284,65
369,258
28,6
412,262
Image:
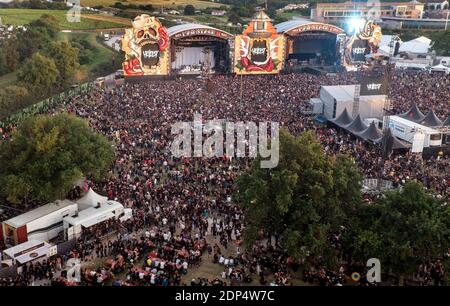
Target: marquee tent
x,y
414,114
343,119
90,199
356,126
372,133
420,45
447,121
431,120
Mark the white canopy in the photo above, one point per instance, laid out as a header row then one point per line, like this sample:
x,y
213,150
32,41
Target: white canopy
x,y
90,199
28,251
440,67
420,45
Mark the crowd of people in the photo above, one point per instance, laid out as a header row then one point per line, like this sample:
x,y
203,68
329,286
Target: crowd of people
x,y
183,207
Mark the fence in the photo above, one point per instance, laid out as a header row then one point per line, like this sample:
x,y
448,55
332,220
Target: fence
x,y
45,105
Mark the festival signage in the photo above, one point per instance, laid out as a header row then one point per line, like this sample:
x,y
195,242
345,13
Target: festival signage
x,y
202,32
374,85
260,49
146,48
315,27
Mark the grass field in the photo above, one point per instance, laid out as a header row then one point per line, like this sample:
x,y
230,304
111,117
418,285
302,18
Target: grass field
x,y
88,21
156,3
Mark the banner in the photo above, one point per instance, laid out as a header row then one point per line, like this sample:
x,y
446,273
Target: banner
x,y
374,85
146,48
260,49
359,49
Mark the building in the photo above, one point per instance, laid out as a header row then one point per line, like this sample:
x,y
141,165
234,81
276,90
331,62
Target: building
x,y
293,7
218,12
434,5
340,12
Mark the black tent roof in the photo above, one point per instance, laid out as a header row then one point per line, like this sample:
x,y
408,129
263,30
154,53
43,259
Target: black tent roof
x,y
447,121
356,126
397,144
372,133
431,119
343,119
414,114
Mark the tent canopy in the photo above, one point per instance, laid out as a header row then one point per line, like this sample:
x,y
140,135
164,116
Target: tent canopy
x,y
372,133
397,144
343,119
420,45
431,120
447,121
414,114
356,126
90,199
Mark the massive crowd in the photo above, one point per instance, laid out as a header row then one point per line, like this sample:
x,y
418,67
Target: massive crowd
x,y
183,208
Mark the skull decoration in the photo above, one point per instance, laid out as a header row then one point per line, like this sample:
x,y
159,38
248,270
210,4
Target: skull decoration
x,y
371,33
144,46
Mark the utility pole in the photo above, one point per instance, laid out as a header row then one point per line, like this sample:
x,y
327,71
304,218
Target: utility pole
x,y
446,20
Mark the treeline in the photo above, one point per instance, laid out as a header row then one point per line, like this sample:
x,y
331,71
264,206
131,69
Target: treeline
x,y
44,65
36,4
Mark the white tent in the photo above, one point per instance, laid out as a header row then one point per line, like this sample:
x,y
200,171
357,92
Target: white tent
x,y
90,199
440,68
420,45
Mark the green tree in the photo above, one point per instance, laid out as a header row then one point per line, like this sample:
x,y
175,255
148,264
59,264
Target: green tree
x,y
403,229
47,155
66,60
49,23
9,56
12,98
38,74
303,201
31,41
189,10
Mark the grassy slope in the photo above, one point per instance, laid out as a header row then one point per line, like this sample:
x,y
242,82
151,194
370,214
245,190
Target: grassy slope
x,y
88,21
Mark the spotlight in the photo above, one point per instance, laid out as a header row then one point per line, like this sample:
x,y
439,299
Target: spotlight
x,y
356,25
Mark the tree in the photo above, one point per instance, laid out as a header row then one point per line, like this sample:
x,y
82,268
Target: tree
x,y
12,98
9,56
49,23
303,201
38,74
403,229
189,10
31,41
47,155
66,60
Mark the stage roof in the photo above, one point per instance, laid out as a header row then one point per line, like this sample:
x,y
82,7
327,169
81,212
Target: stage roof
x,y
341,92
297,23
193,28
